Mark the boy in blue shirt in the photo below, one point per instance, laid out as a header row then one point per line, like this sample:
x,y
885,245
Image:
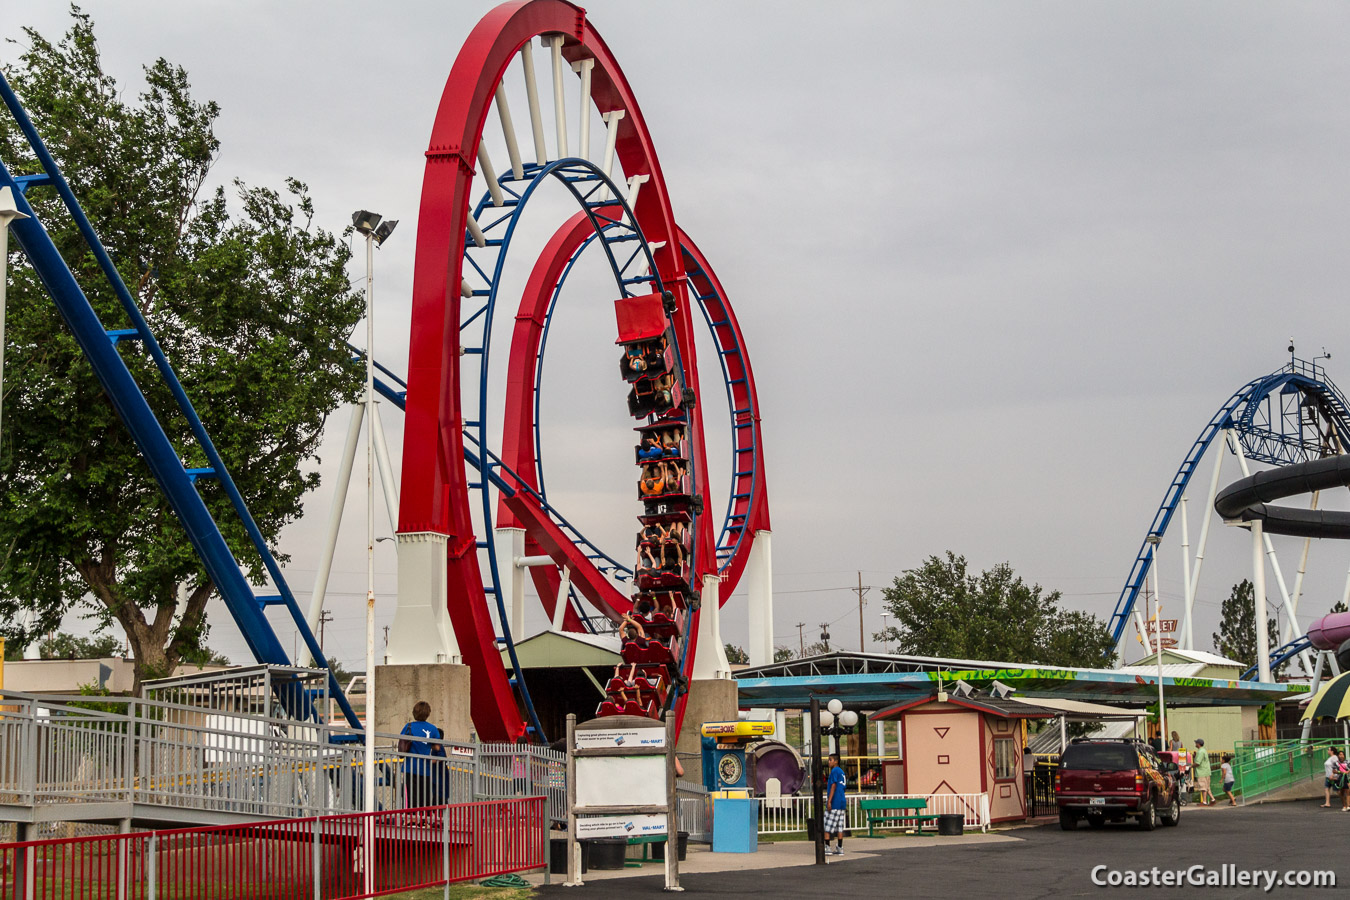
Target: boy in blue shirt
x,y
421,772
834,808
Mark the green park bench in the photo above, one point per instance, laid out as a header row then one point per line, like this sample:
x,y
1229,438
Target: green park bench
x,y
906,812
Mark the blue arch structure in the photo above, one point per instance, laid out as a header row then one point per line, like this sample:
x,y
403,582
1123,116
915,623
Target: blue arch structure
x,y
1292,415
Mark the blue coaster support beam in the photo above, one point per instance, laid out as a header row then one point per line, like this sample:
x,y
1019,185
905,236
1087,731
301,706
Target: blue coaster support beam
x,y
177,482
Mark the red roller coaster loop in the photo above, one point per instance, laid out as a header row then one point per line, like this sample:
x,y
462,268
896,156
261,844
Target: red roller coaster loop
x,y
435,495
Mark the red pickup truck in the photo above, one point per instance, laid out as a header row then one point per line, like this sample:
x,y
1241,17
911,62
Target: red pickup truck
x,y
1101,781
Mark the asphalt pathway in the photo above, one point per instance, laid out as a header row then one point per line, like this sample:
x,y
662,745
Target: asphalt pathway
x,y
1047,862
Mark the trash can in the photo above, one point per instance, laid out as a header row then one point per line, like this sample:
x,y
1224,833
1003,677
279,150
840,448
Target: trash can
x,y
951,824
659,850
608,853
557,856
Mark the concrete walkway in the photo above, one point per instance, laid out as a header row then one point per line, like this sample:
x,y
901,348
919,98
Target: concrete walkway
x,y
784,854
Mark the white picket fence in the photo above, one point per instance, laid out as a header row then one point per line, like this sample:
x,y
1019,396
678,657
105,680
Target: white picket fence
x,y
785,815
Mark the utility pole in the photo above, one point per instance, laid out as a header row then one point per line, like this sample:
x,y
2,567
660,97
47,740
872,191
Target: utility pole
x,y
825,635
324,618
801,641
862,642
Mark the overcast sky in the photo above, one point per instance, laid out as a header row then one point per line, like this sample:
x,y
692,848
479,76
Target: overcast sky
x,y
997,263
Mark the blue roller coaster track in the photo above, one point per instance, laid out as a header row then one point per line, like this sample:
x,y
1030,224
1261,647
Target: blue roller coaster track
x,y
1292,415
178,482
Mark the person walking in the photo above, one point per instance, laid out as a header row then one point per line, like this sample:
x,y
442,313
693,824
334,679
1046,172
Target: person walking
x,y
423,761
1343,780
1228,780
1331,769
1202,772
834,808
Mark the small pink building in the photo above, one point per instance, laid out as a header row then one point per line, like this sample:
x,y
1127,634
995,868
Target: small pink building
x,y
965,745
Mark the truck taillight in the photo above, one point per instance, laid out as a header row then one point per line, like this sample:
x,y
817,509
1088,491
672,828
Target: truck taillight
x,y
1138,782
1056,781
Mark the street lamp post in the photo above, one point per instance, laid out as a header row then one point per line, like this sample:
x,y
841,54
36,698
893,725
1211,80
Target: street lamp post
x,y
834,721
9,212
376,232
1153,541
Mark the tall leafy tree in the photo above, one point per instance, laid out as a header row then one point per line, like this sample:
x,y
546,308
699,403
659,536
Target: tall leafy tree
x,y
1236,637
251,303
941,609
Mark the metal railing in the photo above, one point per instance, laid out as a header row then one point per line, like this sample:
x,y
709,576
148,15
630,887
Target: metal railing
x,y
57,750
788,815
1263,767
695,811
323,858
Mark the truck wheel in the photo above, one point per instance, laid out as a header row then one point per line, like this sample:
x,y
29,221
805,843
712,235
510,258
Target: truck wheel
x,y
1068,821
1173,814
1148,816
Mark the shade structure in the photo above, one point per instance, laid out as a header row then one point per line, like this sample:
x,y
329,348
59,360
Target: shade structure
x,y
1332,700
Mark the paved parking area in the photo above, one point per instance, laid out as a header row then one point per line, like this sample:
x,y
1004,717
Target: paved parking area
x,y
1038,861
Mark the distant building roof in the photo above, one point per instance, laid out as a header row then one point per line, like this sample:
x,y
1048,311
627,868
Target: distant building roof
x,y
1198,656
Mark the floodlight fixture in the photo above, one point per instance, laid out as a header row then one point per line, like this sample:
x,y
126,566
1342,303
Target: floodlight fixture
x,y
365,221
385,229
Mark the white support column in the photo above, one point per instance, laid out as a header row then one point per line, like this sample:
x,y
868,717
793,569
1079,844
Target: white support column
x,y
759,604
554,42
421,631
387,482
881,740
583,68
1291,623
1204,528
1187,636
510,548
490,175
476,232
1259,589
634,185
509,133
711,662
532,98
611,120
1322,657
1143,635
560,605
344,480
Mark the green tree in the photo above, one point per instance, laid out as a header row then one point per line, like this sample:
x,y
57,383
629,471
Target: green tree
x,y
736,655
252,304
942,610
782,654
1236,637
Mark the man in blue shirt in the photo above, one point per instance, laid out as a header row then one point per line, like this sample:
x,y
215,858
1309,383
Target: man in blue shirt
x,y
834,808
422,771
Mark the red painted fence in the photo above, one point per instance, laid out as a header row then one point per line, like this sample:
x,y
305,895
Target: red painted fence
x,y
324,858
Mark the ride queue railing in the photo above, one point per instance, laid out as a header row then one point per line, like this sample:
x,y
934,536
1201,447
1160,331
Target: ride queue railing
x,y
317,858
57,750
788,815
1263,767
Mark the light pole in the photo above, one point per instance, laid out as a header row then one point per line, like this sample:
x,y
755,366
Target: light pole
x,y
376,233
885,632
9,212
1153,542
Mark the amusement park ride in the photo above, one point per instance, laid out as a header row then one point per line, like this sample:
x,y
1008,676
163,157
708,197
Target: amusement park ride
x,y
474,513
1297,421
461,591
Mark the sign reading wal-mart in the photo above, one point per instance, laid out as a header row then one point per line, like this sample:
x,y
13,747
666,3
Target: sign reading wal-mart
x,y
619,826
621,737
